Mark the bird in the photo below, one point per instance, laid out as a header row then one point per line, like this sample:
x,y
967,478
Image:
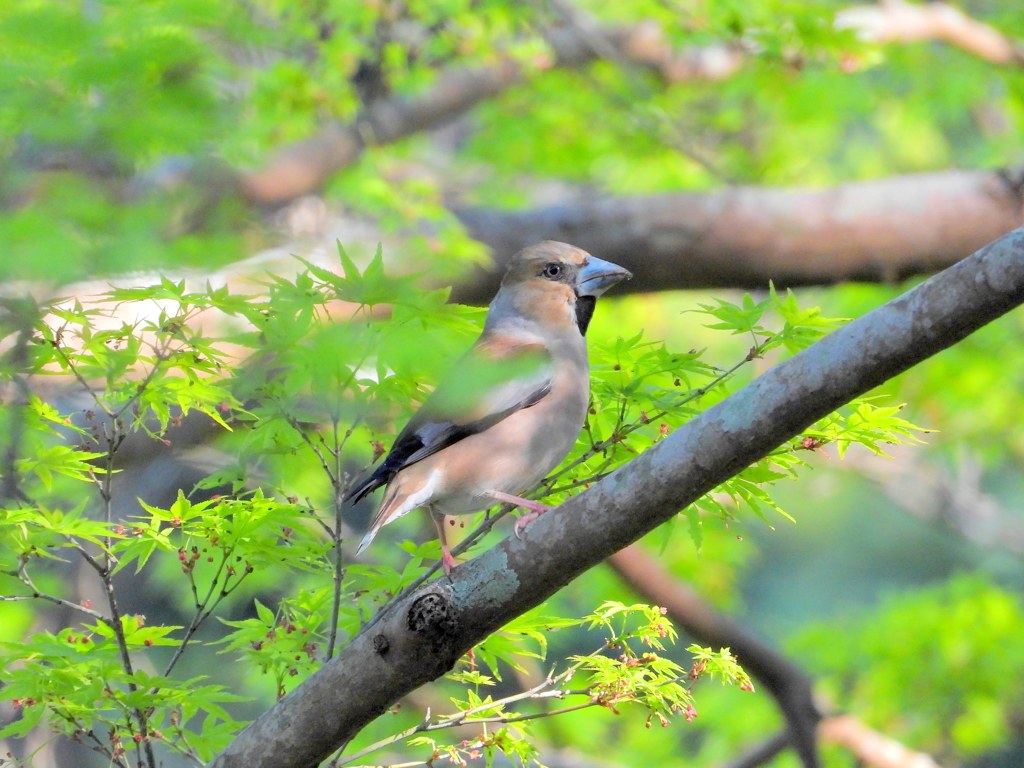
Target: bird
x,y
511,409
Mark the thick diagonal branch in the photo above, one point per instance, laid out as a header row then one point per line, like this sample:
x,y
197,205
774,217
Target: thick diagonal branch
x,y
422,636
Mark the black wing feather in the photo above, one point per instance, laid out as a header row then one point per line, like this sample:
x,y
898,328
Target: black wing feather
x,y
423,437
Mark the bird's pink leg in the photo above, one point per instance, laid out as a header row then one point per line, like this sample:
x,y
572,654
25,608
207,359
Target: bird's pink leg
x,y
447,560
535,507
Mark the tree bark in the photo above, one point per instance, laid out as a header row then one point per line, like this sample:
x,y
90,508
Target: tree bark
x,y
742,237
422,636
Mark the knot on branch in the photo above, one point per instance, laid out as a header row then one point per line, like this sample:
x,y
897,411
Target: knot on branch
x,y
431,616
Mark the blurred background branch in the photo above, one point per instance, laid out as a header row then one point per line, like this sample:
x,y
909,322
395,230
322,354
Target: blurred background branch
x,y
897,21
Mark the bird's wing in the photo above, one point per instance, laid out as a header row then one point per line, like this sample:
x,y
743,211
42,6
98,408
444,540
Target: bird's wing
x,y
496,378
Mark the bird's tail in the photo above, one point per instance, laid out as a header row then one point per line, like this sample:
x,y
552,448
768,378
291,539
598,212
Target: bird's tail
x,y
367,539
375,480
390,508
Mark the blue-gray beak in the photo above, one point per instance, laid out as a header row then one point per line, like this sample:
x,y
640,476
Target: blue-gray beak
x,y
597,276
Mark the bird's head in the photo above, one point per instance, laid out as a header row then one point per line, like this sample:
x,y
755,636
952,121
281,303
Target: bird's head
x,y
555,285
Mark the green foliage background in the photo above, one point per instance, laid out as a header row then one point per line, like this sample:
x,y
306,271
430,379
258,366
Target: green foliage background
x,y
106,105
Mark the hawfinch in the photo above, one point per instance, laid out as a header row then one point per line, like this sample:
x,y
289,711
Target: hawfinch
x,y
511,409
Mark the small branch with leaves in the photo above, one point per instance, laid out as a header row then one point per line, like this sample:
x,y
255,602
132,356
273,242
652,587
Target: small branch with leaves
x,y
617,674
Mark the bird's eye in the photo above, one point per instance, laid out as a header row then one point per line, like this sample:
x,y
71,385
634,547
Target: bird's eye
x,y
552,270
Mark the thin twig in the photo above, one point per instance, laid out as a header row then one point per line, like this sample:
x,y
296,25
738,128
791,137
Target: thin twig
x,y
202,613
114,440
467,717
534,716
339,572
189,751
100,747
95,564
577,483
159,358
305,438
623,431
79,378
459,718
24,578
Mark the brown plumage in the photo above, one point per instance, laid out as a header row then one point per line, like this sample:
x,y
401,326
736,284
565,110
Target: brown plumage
x,y
514,405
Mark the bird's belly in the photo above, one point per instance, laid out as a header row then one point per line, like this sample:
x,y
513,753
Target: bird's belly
x,y
510,457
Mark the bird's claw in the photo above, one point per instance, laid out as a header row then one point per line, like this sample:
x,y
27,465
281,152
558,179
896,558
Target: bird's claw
x,y
524,521
447,563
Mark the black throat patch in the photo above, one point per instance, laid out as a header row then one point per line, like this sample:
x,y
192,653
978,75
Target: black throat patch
x,y
585,306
